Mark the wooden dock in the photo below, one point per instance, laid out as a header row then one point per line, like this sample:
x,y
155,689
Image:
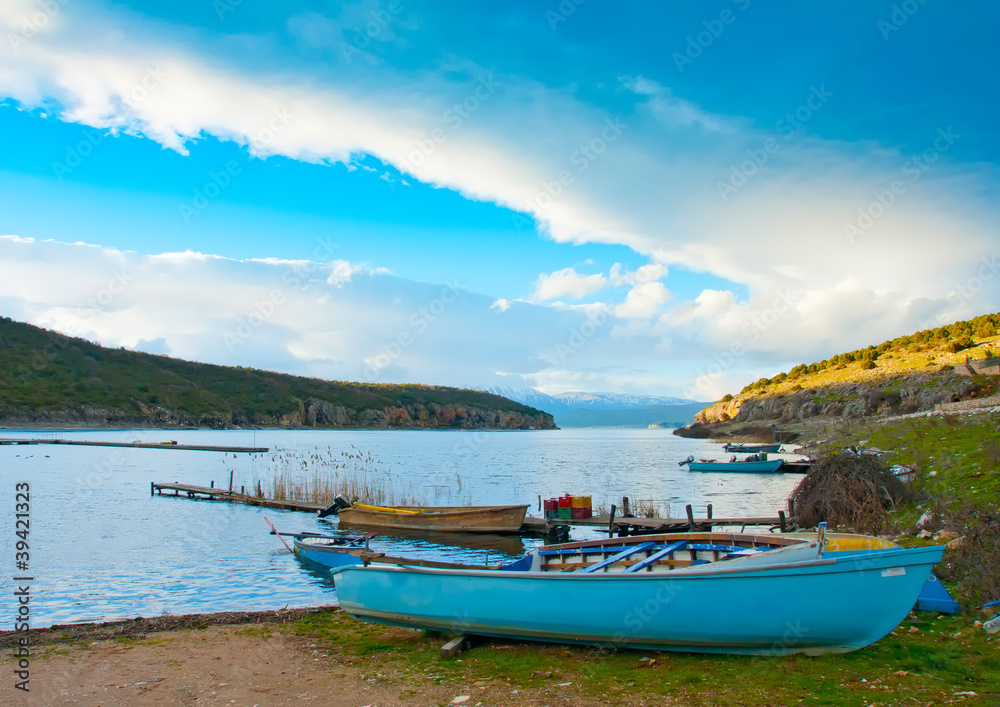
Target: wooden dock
x,y
210,493
140,445
553,529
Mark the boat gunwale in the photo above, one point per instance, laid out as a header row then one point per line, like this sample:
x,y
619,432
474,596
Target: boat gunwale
x,y
440,511
714,569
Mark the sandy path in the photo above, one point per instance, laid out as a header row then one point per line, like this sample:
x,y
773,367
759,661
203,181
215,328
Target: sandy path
x,y
245,666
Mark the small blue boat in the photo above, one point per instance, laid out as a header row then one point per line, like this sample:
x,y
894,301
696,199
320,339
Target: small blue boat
x,y
328,551
777,602
757,467
750,448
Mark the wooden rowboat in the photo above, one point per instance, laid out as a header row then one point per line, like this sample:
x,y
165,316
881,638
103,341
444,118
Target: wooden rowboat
x,y
757,467
735,597
456,519
750,448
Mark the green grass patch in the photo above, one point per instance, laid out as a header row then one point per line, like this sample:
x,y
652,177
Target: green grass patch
x,y
929,666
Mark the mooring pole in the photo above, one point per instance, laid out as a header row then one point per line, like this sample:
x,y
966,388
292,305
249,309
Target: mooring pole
x,y
611,521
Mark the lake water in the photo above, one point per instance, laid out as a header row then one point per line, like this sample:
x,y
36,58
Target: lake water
x,y
102,548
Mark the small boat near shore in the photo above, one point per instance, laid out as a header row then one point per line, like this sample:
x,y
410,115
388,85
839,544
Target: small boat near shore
x,y
453,519
735,448
756,466
327,550
711,592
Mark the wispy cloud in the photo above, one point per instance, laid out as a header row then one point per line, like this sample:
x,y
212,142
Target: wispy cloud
x,y
654,188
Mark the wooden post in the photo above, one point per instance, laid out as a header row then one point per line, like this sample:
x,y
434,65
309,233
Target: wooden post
x,y
231,481
690,513
710,511
539,502
781,520
453,647
150,488
611,521
243,490
626,513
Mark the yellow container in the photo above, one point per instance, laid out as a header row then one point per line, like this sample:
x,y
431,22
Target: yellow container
x,y
581,501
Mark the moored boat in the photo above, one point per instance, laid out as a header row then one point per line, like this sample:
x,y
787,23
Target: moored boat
x,y
460,519
328,550
331,552
768,466
750,448
786,599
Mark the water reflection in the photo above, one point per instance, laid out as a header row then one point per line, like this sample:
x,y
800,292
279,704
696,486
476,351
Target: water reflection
x,y
102,548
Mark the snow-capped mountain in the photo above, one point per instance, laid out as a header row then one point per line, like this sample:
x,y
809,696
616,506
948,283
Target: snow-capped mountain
x,y
603,409
525,396
616,401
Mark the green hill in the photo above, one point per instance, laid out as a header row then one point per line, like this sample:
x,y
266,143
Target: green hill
x,y
46,377
902,375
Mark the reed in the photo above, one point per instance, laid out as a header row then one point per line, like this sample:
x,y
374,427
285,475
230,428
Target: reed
x,y
319,475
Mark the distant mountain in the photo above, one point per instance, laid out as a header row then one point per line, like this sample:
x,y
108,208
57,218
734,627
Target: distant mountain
x,y
603,409
616,401
670,415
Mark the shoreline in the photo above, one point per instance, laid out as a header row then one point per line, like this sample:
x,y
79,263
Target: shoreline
x,y
140,626
289,656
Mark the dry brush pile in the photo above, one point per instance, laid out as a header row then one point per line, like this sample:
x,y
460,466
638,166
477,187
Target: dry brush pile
x,y
850,493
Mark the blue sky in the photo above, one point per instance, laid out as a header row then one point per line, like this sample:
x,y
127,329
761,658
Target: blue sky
x,y
670,199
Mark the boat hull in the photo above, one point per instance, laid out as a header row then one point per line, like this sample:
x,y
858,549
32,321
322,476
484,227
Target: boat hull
x,y
766,467
751,448
825,606
328,555
458,519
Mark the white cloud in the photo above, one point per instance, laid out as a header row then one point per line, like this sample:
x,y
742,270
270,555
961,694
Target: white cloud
x,y
654,187
643,301
567,283
645,273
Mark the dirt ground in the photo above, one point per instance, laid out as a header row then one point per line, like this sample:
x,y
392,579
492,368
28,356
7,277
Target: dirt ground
x,y
258,661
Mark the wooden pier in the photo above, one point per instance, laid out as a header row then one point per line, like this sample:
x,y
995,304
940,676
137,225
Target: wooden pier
x,y
140,445
556,529
210,493
623,526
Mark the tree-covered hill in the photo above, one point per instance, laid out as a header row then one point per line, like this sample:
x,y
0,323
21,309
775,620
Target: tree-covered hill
x,y
906,374
48,377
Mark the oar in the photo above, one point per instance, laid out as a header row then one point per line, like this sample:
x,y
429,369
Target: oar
x,y
385,509
275,531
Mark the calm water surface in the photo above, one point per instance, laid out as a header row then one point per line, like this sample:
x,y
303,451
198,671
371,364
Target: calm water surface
x,y
102,548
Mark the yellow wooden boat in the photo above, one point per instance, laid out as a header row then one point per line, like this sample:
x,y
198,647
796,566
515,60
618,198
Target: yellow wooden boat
x,y
457,519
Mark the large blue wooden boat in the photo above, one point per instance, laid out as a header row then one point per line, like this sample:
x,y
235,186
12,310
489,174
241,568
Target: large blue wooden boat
x,y
659,593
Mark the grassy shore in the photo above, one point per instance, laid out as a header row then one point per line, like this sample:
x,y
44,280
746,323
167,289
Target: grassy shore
x,y
927,660
941,657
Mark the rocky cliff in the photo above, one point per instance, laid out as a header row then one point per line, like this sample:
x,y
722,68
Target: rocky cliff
x,y
851,399
315,414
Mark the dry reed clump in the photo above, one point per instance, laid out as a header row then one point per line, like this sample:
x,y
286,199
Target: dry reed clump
x,y
317,476
850,493
646,509
975,563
